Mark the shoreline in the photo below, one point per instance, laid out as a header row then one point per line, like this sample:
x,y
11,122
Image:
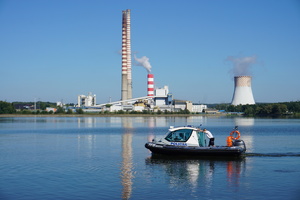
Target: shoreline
x,y
110,115
140,115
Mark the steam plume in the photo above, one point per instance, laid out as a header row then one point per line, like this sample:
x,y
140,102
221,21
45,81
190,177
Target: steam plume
x,y
144,62
241,65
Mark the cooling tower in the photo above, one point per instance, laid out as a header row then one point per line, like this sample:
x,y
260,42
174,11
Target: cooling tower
x,y
150,85
242,91
126,92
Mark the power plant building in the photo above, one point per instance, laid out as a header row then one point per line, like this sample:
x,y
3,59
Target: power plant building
x,y
87,101
162,96
242,91
198,108
156,99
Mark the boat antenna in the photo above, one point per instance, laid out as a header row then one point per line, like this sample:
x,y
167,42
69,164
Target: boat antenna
x,y
200,126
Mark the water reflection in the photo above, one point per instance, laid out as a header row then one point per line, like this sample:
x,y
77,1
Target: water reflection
x,y
198,172
91,122
88,122
242,121
127,165
247,135
234,171
86,143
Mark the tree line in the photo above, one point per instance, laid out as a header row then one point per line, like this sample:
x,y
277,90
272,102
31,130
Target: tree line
x,y
263,109
6,108
259,109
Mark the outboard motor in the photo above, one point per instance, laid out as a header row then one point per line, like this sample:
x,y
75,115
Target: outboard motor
x,y
239,143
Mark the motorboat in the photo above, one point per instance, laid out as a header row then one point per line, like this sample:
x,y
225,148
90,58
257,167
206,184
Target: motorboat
x,y
192,141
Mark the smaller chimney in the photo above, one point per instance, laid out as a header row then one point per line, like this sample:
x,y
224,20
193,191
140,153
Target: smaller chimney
x,y
150,85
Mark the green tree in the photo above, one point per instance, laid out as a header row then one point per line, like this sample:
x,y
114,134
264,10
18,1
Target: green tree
x,y
249,111
145,111
231,108
26,112
186,111
120,112
60,110
6,108
283,108
222,106
79,111
43,105
266,109
278,109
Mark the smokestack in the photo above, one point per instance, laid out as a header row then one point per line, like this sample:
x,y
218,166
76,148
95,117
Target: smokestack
x,y
150,85
126,56
242,91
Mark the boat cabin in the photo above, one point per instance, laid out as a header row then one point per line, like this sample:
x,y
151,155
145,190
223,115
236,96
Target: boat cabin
x,y
185,136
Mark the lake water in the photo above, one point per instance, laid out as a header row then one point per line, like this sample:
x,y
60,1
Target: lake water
x,y
91,158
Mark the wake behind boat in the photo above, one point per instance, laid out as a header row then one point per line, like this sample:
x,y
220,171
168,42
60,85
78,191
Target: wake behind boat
x,y
192,141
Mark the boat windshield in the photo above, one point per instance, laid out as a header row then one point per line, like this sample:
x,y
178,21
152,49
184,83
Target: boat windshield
x,y
181,135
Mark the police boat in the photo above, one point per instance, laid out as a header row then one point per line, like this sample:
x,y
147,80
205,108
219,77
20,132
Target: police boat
x,y
192,141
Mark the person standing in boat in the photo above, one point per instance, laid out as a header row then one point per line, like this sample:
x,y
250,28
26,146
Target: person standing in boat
x,y
210,137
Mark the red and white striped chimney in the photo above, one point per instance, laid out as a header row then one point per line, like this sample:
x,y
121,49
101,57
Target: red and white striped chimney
x,y
126,87
150,84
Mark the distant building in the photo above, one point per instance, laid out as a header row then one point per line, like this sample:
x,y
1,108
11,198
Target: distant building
x,y
182,104
60,104
198,108
22,106
48,109
138,108
115,108
162,96
87,101
211,111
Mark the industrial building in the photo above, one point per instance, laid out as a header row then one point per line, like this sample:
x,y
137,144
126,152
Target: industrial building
x,y
86,101
156,99
242,91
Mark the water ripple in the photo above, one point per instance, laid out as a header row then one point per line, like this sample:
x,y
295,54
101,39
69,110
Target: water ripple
x,y
289,154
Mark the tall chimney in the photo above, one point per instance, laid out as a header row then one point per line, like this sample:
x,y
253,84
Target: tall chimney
x,y
126,57
150,85
242,91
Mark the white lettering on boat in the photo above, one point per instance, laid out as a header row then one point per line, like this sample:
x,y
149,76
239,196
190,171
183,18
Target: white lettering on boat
x,y
178,144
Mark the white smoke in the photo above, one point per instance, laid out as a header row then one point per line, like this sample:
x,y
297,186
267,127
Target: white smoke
x,y
144,62
241,65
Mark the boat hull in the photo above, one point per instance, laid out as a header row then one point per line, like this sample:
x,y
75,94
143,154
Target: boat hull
x,y
194,151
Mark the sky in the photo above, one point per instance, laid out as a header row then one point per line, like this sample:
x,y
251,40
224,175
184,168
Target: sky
x,y
55,50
